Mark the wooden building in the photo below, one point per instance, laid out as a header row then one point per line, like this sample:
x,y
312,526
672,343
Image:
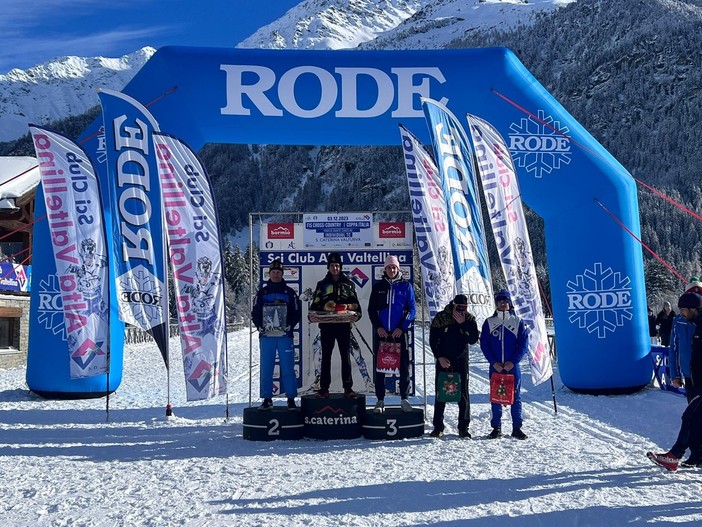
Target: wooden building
x,y
19,179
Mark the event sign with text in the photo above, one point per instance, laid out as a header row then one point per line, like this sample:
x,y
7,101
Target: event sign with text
x,y
363,265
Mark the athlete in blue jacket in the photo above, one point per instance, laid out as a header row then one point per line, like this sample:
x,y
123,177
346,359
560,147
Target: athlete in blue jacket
x,y
275,313
504,341
690,433
391,309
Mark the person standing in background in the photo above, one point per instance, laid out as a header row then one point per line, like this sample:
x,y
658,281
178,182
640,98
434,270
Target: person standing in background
x,y
664,320
652,329
690,433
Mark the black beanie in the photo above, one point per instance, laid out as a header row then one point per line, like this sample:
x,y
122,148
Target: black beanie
x,y
460,300
690,301
334,258
276,264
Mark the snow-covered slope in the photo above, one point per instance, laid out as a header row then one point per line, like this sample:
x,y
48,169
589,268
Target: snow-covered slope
x,y
63,465
61,88
441,22
338,24
391,24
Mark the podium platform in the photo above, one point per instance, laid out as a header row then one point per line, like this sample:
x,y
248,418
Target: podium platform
x,y
393,423
335,417
276,423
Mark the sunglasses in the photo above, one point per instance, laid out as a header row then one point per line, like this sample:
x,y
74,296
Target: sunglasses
x,y
461,307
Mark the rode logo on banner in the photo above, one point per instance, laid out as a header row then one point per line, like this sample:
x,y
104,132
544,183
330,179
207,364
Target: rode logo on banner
x,y
281,231
394,229
599,300
540,145
251,86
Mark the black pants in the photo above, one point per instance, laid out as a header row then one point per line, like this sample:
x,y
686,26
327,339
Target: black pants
x,y
690,429
463,403
341,334
690,435
379,377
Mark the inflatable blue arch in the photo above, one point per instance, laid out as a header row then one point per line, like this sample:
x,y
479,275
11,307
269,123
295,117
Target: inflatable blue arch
x,y
243,96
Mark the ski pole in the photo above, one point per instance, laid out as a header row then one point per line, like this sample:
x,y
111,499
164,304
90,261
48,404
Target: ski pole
x,y
362,338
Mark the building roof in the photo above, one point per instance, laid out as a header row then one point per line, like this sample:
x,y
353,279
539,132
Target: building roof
x,y
19,176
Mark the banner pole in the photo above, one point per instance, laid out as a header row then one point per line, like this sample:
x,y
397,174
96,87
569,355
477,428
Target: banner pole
x,y
553,395
424,340
251,293
107,381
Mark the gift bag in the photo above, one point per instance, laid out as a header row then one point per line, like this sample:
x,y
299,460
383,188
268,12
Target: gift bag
x,y
274,319
387,360
501,388
448,387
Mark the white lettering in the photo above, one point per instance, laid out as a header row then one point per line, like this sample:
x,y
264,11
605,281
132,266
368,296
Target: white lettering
x,y
286,92
235,90
249,84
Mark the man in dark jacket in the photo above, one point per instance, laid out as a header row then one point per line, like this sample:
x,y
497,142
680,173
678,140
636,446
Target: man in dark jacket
x,y
335,293
664,320
690,434
451,331
275,313
391,309
504,340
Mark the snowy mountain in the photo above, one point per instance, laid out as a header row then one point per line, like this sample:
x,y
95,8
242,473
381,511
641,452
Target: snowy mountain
x,y
66,86
392,24
60,88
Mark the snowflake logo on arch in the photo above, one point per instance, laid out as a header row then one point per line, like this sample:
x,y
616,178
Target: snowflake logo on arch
x,y
539,145
50,311
599,300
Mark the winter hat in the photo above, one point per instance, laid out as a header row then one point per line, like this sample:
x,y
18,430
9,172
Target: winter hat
x,y
334,258
392,260
666,304
276,264
695,286
460,300
503,294
690,301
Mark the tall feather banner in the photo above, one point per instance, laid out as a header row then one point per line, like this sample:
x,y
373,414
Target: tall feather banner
x,y
195,252
74,213
430,223
467,232
137,227
508,223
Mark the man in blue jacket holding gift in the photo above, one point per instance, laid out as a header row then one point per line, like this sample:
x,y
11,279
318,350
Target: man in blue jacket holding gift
x,y
504,341
275,313
391,309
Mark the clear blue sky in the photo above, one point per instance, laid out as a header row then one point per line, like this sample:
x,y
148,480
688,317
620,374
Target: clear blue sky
x,y
35,31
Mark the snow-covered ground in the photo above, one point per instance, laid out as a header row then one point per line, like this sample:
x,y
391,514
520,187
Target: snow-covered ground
x,y
61,463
